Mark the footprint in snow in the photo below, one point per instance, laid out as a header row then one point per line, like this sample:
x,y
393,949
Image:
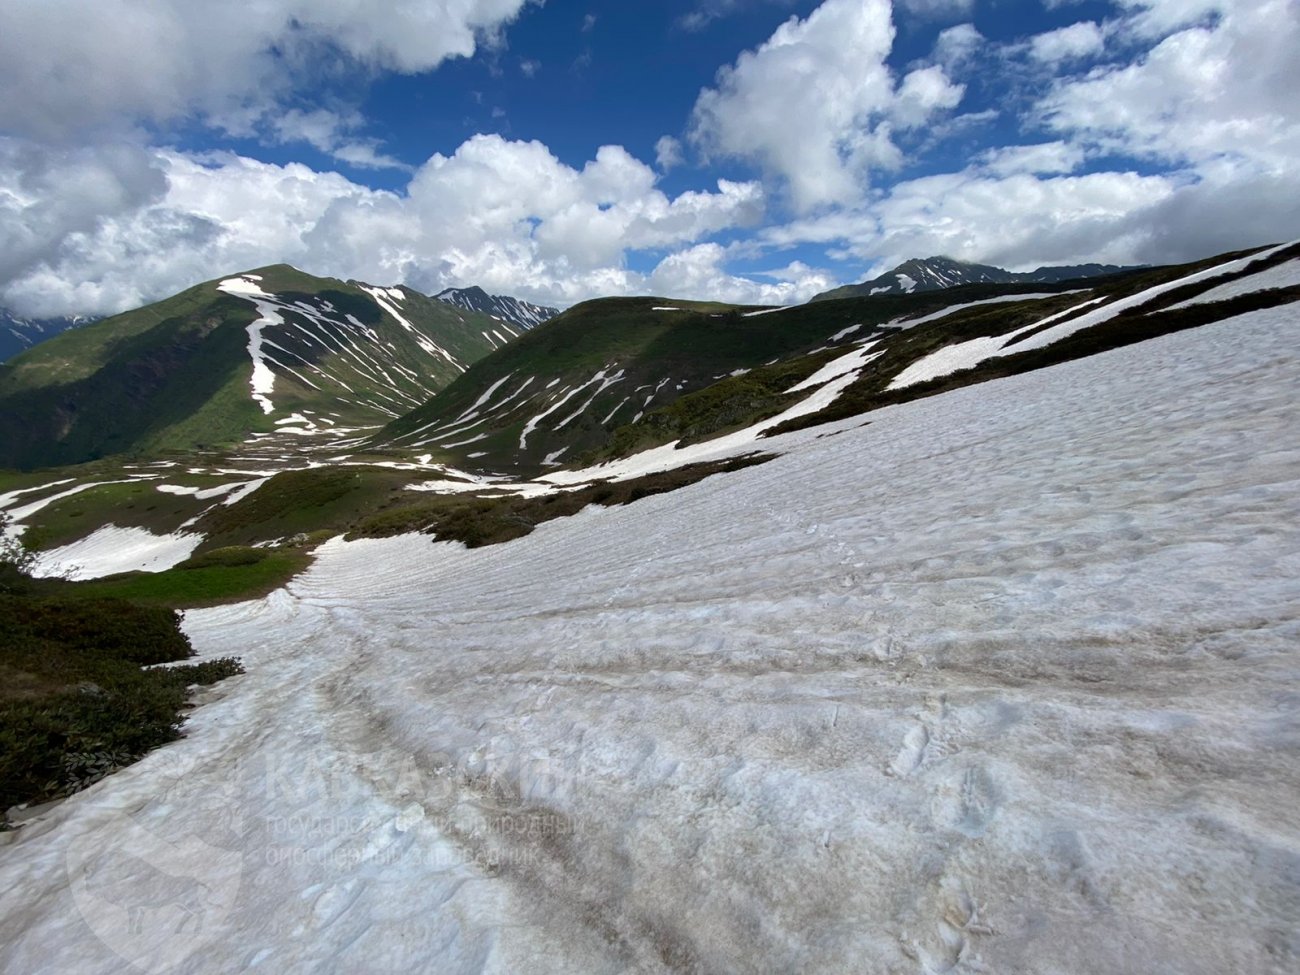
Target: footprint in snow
x,y
968,802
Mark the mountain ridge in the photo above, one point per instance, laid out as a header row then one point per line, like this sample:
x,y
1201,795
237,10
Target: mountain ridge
x,y
268,354
938,272
516,312
17,333
639,391
565,388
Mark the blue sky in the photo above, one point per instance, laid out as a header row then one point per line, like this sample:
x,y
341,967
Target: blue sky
x,y
745,150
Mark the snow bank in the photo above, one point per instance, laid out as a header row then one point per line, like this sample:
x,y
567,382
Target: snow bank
x,y
1108,311
836,368
201,494
1002,681
112,549
934,316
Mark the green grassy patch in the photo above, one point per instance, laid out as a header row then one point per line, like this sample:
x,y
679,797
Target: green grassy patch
x,y
136,504
122,384
296,502
19,480
211,579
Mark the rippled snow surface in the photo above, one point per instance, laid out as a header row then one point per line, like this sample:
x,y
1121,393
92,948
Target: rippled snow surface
x,y
1002,681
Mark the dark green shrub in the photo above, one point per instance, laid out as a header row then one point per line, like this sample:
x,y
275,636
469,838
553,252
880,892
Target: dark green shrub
x,y
77,699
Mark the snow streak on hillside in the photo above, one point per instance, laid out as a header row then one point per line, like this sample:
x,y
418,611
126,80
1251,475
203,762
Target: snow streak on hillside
x,y
387,298
262,381
1001,681
324,349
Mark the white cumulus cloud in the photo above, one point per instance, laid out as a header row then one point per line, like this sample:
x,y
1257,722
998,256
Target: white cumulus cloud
x,y
1068,43
955,45
1203,109
668,153
1221,93
507,215
816,105
938,9
700,272
1045,157
86,65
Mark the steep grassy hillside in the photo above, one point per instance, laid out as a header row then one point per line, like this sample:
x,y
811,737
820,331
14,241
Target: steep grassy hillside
x,y
270,350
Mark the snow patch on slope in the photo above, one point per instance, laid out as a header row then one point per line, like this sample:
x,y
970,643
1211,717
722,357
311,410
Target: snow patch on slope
x,y
383,298
1109,311
112,549
836,368
953,309
1285,275
967,355
201,494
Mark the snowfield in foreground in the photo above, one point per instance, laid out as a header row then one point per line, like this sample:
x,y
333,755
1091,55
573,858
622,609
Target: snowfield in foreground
x,y
1002,681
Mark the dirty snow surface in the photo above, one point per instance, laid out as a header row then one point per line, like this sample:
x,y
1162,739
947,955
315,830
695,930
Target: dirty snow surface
x,y
1003,681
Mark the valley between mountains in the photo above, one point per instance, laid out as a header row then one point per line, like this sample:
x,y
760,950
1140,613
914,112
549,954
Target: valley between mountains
x,y
935,629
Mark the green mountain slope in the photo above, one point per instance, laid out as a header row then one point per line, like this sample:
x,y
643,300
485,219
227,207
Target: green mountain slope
x,y
266,351
563,389
610,379
616,376
969,340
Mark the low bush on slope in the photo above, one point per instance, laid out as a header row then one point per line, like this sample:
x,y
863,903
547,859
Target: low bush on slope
x,y
76,699
76,702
